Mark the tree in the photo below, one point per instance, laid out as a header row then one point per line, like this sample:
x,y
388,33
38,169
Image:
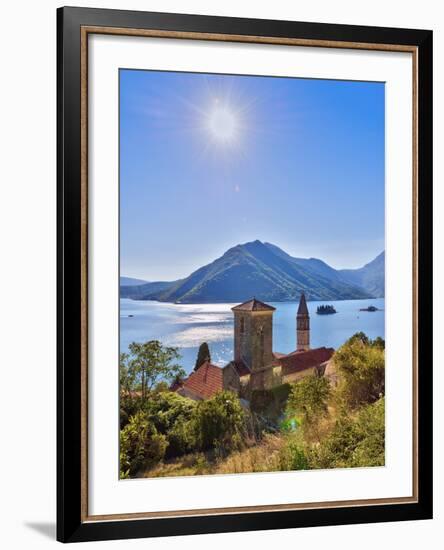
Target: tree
x,y
359,337
148,364
219,422
361,367
379,342
141,446
202,355
128,397
126,377
309,397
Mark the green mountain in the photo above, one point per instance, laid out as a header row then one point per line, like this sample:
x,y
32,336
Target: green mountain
x,y
130,281
143,292
371,277
254,269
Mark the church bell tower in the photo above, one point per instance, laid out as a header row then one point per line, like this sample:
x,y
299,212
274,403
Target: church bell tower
x,y
303,326
253,334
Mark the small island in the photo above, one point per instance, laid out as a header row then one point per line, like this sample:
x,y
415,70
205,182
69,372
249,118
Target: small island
x,y
325,310
369,308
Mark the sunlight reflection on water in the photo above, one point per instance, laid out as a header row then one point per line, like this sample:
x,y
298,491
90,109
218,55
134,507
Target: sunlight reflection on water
x,y
186,326
196,335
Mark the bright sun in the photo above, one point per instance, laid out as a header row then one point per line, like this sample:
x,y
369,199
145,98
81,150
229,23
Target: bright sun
x,y
223,124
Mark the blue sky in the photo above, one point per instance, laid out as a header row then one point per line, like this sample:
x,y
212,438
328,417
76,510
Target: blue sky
x,y
210,161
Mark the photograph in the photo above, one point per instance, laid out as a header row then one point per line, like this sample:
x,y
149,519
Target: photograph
x,y
252,274
244,273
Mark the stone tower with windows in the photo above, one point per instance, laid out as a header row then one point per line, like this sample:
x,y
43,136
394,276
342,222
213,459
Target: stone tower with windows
x,y
303,326
253,334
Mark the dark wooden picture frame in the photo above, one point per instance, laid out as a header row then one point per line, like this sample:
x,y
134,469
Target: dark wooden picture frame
x,y
73,26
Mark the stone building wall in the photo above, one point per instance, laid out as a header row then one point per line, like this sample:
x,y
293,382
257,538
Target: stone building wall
x,y
262,380
303,332
295,377
231,380
253,338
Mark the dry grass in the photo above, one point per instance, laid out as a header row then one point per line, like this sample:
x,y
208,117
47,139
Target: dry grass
x,y
187,465
262,457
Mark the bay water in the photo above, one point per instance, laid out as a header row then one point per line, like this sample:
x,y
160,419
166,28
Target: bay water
x,y
186,326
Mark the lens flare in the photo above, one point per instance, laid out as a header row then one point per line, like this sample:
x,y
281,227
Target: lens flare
x,y
291,423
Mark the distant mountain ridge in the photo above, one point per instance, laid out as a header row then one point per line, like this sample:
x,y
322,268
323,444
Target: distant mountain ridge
x,y
371,276
130,281
266,271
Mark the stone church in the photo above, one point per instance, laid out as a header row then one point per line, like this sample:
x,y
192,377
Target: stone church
x,y
255,365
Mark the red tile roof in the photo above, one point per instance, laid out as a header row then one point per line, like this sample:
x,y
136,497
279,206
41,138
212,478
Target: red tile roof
x,y
298,361
277,358
253,305
205,381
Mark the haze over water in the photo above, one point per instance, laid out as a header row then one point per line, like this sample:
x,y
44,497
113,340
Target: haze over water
x,y
186,326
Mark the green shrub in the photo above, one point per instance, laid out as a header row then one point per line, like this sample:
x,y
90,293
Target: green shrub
x,y
370,427
123,417
361,366
292,456
171,414
354,442
129,406
309,397
141,446
219,423
166,408
181,438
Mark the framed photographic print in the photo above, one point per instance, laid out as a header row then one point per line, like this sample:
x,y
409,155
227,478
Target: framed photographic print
x,y
245,269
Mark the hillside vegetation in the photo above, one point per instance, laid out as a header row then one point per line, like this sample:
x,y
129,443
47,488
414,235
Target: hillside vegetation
x,y
307,425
